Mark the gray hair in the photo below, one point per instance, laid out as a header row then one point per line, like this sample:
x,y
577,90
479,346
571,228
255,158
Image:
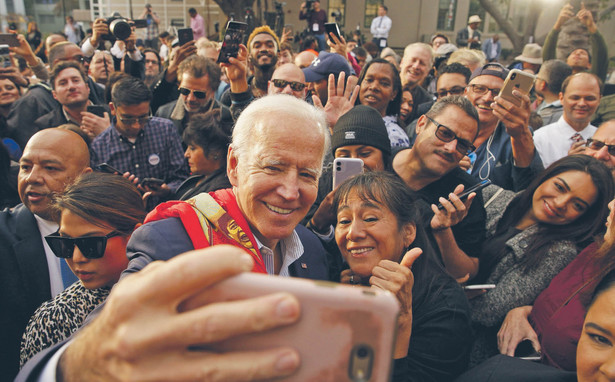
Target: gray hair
x,y
420,45
275,109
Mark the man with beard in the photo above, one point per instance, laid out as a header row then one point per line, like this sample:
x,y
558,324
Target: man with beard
x,y
71,90
263,47
199,78
152,66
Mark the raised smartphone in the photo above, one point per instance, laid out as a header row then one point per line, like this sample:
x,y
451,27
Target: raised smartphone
x,y
235,34
344,168
9,39
333,28
184,35
475,188
5,57
153,183
520,80
344,333
104,167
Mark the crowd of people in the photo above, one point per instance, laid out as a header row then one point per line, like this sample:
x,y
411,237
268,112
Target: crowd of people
x,y
136,174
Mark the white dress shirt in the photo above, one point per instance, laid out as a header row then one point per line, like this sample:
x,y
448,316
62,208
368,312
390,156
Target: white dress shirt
x,y
381,26
553,141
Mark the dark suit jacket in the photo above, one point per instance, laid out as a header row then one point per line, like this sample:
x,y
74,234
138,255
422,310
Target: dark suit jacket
x,y
24,282
167,238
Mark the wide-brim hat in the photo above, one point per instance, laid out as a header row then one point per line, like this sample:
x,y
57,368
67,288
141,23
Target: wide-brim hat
x,y
532,53
474,19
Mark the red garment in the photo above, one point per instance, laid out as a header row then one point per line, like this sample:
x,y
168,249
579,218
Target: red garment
x,y
558,315
186,213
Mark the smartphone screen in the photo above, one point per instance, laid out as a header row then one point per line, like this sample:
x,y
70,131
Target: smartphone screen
x,y
184,35
332,28
235,32
9,39
5,57
96,110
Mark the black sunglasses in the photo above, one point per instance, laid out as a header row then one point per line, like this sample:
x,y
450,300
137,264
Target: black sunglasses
x,y
445,134
455,90
197,94
294,85
92,247
597,145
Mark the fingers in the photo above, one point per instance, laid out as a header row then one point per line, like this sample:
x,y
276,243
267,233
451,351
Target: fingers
x,y
224,320
410,257
464,279
341,83
331,86
191,272
355,94
316,101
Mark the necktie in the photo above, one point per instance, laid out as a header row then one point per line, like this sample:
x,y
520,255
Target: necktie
x,y
576,138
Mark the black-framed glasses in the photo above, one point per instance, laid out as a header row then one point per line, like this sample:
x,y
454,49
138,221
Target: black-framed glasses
x,y
294,85
595,144
445,134
197,93
92,247
455,90
482,90
132,120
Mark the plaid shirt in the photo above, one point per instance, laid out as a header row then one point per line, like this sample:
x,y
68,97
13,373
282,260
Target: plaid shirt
x,y
157,153
151,33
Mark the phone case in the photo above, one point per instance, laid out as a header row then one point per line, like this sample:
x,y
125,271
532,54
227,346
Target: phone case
x,y
233,36
517,79
344,168
345,333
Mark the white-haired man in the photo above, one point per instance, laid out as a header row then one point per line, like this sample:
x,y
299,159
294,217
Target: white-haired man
x,y
275,181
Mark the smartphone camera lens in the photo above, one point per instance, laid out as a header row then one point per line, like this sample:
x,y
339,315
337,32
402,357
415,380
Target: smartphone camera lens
x,y
362,352
512,77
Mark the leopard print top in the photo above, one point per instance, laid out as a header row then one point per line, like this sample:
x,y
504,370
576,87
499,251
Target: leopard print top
x,y
58,318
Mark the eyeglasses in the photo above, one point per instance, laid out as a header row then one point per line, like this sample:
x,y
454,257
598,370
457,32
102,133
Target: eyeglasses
x,y
482,90
597,145
455,90
92,247
197,94
294,85
445,134
131,121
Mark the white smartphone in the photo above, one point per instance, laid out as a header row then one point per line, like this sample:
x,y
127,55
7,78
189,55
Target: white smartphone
x,y
479,286
344,168
344,333
520,80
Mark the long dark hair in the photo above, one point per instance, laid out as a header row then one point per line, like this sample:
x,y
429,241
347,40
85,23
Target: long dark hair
x,y
104,200
389,191
395,103
582,228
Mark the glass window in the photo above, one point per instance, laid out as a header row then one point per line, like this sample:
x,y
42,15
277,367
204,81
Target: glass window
x,y
337,7
371,11
446,14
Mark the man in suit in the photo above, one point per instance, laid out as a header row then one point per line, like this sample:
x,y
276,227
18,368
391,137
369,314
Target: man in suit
x,y
492,47
30,274
140,328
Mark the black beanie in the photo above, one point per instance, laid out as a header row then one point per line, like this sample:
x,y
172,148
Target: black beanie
x,y
362,125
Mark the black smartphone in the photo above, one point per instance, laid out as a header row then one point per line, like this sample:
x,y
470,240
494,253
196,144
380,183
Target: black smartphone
x,y
153,183
5,57
333,28
96,110
104,167
9,39
235,34
525,350
184,35
140,23
474,188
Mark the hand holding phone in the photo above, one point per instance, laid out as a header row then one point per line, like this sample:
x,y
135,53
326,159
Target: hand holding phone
x,y
184,35
153,183
235,34
520,80
475,188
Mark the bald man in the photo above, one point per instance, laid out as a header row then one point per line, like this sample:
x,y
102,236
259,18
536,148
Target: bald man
x,y
29,273
288,79
304,59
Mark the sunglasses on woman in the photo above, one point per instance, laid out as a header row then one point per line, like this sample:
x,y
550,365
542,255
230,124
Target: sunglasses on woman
x,y
92,247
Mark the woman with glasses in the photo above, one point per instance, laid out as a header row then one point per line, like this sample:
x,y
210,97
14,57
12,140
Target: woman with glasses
x,y
380,88
531,237
206,154
97,215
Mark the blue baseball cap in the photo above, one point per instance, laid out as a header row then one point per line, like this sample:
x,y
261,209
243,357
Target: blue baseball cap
x,y
325,64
